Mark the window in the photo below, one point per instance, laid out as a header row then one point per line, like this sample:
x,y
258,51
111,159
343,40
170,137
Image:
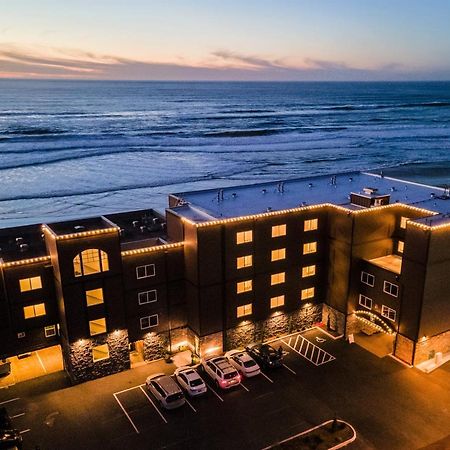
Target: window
x,y
94,297
149,321
308,271
403,221
100,352
311,225
309,247
387,312
307,293
277,301
145,271
29,284
244,261
147,297
279,253
244,286
50,331
244,310
279,230
32,311
244,237
390,288
368,279
97,326
90,261
277,278
365,301
400,246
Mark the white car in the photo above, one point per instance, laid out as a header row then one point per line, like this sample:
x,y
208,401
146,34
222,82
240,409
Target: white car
x,y
190,381
221,371
243,362
165,390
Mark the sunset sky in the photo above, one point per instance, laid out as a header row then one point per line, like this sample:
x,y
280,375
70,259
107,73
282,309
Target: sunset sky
x,y
226,40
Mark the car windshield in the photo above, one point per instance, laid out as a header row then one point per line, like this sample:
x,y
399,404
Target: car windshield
x,y
196,382
174,397
249,363
229,375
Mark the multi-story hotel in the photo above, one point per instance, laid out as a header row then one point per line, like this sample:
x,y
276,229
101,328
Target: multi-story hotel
x,y
230,266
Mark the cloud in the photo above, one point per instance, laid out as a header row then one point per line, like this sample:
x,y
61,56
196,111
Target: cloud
x,y
40,62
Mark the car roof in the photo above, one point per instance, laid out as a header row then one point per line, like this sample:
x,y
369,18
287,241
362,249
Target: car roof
x,y
223,364
190,373
167,383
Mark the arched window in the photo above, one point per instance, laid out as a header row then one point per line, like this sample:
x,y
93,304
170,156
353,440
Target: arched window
x,y
90,261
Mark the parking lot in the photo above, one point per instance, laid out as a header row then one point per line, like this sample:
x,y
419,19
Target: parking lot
x,y
321,376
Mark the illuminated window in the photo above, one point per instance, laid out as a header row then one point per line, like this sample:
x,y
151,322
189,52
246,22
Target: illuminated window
x,y
403,221
145,271
365,301
90,261
147,297
29,284
277,278
244,310
390,288
244,286
149,321
100,352
279,253
308,271
97,326
50,331
244,261
387,312
279,230
277,301
94,297
400,246
32,311
367,278
311,225
243,237
309,247
307,293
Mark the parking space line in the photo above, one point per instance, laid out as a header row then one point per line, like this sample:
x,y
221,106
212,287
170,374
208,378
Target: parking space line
x,y
317,355
9,401
214,392
25,431
290,370
189,403
40,362
151,401
245,387
17,415
126,414
266,377
129,389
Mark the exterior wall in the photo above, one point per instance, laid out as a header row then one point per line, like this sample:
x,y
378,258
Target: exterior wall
x,y
334,319
404,349
427,348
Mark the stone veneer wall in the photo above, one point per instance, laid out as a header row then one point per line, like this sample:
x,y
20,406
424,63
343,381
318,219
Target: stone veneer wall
x,y
426,349
155,345
337,320
277,325
404,349
80,364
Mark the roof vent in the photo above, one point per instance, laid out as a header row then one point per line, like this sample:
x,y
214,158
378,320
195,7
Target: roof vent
x,y
135,223
19,240
370,190
234,195
269,208
350,179
264,191
78,227
310,185
23,247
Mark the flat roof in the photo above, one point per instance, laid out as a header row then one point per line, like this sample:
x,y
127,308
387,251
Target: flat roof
x,y
393,263
79,225
237,201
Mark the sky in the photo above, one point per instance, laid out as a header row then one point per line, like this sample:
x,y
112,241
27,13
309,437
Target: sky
x,y
226,40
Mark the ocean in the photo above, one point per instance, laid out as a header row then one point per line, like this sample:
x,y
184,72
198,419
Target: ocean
x,y
83,148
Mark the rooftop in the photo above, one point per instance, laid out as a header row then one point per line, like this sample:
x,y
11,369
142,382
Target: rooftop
x,y
80,226
393,263
21,243
213,204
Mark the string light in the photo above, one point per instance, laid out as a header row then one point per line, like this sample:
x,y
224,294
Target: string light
x,y
155,248
81,233
25,261
385,328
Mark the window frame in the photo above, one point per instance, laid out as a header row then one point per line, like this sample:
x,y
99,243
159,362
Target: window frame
x,y
50,328
96,303
307,292
147,296
100,319
388,312
279,230
400,247
306,247
275,276
149,319
247,237
275,254
29,280
245,261
244,284
245,312
103,262
311,224
35,314
403,222
306,273
388,291
275,301
363,273
145,267
95,348
361,297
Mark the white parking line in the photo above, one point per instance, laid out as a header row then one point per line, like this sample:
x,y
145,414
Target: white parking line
x,y
11,400
126,414
266,377
17,415
25,431
151,401
189,403
126,390
40,362
246,388
214,392
290,370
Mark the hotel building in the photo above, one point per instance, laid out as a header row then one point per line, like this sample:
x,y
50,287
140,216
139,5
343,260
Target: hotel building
x,y
225,267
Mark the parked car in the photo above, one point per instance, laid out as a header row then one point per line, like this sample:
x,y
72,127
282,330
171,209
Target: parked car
x,y
5,368
189,379
243,363
10,438
165,390
266,356
221,371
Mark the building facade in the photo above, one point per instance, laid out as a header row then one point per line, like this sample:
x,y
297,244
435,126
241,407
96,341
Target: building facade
x,y
226,267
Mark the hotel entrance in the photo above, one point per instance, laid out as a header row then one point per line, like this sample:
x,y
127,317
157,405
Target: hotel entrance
x,y
31,365
137,353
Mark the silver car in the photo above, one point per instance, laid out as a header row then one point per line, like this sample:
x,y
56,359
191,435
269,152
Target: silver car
x,y
165,390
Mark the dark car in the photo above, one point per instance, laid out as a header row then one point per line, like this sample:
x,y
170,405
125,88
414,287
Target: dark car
x,y
10,438
265,355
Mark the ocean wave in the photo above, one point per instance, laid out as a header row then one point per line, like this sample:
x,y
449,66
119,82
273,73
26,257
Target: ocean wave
x,y
33,131
243,133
